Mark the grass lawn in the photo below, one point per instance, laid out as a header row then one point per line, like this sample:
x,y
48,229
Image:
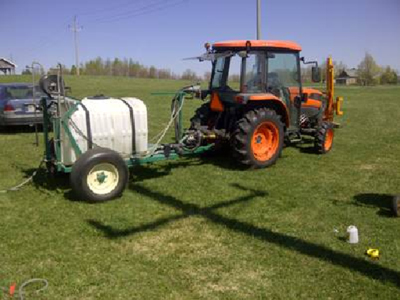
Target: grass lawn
x,y
202,228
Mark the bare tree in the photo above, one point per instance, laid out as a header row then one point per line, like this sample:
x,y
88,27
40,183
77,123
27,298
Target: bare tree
x,y
207,76
189,75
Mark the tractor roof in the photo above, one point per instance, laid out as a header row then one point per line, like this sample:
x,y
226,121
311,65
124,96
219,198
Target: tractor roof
x,y
238,44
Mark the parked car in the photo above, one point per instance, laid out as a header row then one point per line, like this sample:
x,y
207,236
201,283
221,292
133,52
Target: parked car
x,y
17,106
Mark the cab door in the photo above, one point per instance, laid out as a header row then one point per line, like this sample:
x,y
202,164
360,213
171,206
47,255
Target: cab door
x,y
283,80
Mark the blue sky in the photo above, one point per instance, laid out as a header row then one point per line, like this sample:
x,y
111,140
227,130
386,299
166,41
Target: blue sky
x,y
162,32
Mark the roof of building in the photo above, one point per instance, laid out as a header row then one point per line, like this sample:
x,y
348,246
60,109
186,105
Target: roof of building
x,y
8,61
258,44
349,73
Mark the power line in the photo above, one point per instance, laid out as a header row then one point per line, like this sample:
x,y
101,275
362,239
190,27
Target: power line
x,y
149,4
43,42
151,8
75,28
122,6
50,40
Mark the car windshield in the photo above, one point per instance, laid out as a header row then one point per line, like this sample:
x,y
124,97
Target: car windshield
x,y
22,92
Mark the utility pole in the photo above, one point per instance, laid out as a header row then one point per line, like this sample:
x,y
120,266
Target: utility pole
x,y
258,19
75,28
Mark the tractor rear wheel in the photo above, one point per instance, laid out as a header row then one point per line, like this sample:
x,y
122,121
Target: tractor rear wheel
x,y
324,138
202,117
258,138
99,175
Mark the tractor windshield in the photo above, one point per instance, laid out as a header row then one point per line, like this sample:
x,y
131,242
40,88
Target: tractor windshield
x,y
227,71
283,79
256,72
218,73
283,71
253,79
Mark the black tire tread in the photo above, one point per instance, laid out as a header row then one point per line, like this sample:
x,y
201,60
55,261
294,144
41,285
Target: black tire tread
x,y
84,164
201,116
243,132
320,136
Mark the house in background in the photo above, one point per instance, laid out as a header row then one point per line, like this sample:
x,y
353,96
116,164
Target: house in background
x,y
7,67
347,77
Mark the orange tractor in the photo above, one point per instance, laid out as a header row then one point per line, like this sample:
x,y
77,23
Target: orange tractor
x,y
258,103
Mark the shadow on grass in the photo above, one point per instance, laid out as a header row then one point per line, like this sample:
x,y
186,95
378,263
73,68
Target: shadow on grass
x,y
361,266
224,160
188,210
44,180
142,173
306,146
11,130
381,201
60,181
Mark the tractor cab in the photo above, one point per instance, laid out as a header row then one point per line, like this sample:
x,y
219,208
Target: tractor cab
x,y
257,100
247,71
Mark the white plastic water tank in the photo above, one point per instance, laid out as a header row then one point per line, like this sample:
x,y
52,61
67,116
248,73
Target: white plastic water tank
x,y
109,121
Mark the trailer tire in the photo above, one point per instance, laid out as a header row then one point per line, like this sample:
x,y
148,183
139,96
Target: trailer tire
x,y
324,138
99,175
257,141
396,205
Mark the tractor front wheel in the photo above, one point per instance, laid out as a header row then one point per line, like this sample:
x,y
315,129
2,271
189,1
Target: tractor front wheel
x,y
324,138
258,138
99,175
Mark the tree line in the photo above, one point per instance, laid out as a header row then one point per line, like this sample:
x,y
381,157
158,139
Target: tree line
x,y
368,71
124,67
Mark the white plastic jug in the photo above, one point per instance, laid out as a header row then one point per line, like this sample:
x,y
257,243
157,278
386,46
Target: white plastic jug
x,y
352,232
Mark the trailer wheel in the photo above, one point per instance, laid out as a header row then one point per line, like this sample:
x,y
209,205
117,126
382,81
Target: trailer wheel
x,y
258,138
99,175
396,205
324,138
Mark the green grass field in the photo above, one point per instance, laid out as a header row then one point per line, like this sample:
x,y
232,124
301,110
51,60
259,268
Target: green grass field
x,y
203,228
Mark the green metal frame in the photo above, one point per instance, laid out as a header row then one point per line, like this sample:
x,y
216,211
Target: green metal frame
x,y
62,122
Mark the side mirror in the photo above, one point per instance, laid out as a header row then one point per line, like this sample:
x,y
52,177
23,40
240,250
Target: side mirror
x,y
315,74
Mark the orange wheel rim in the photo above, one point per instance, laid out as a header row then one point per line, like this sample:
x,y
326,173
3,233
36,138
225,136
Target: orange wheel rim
x,y
328,139
265,141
